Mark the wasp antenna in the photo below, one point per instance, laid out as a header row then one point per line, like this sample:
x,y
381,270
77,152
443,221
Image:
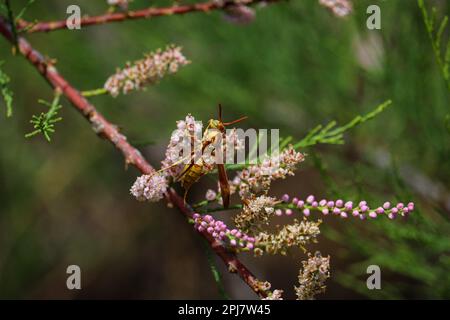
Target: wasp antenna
x,y
220,112
235,121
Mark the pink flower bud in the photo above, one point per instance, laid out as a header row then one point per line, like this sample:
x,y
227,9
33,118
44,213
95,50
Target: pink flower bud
x,y
339,203
310,199
386,205
278,212
306,212
288,212
348,205
325,211
285,197
372,214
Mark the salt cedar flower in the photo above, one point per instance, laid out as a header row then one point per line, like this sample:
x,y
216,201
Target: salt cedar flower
x,y
149,70
312,277
239,14
257,178
340,8
345,209
150,187
285,198
185,139
219,230
256,212
298,234
288,212
210,195
275,295
123,4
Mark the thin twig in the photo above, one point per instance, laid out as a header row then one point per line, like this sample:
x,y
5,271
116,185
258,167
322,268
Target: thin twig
x,y
132,156
138,14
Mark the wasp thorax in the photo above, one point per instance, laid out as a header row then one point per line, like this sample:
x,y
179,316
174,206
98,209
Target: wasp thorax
x,y
215,124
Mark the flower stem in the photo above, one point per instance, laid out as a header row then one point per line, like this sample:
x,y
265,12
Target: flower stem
x,y
93,93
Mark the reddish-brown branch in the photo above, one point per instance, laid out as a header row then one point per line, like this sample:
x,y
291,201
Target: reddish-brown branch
x,y
138,14
132,156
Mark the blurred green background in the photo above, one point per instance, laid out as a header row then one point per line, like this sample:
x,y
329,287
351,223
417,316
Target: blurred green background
x,y
296,66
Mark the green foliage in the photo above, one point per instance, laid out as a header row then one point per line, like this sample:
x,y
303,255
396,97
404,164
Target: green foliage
x,y
319,135
331,135
6,92
45,122
435,31
23,10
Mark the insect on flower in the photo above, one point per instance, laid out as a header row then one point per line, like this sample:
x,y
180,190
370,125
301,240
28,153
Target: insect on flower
x,y
197,166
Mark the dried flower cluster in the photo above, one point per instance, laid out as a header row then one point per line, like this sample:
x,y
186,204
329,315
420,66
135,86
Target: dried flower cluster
x,y
149,70
298,234
256,212
340,8
316,270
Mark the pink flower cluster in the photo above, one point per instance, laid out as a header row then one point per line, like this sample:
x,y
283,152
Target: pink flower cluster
x,y
340,8
149,70
219,230
345,208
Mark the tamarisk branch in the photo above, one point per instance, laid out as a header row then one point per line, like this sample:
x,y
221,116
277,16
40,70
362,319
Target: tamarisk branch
x,y
139,14
132,156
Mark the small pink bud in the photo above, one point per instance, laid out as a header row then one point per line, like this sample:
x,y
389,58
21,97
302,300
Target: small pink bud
x,y
233,242
344,214
372,214
314,204
306,212
355,213
300,204
348,205
394,210
288,212
364,208
362,216
196,216
400,205
285,197
362,203
295,201
379,210
210,229
323,202
339,203
336,211
330,204
278,212
386,205
249,245
233,232
391,216
325,211
310,199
